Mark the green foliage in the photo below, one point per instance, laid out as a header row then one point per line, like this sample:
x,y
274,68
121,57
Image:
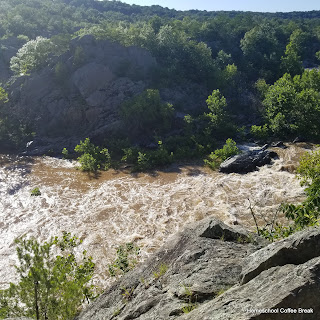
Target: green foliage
x,y
262,48
190,300
35,192
305,214
260,132
188,308
219,155
291,62
145,113
3,96
127,294
92,158
50,287
78,57
229,51
33,55
65,153
292,105
217,104
216,123
126,259
262,87
309,168
143,160
161,271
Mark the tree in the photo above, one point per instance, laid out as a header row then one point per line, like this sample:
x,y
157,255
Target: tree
x,y
217,104
50,287
146,113
262,49
291,61
92,157
33,55
292,105
219,155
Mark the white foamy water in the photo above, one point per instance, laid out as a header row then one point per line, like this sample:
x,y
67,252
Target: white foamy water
x,y
116,207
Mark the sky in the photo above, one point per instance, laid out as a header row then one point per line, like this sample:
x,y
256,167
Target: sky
x,y
238,5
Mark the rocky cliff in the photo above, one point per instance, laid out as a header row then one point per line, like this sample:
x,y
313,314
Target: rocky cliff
x,y
83,93
212,271
80,92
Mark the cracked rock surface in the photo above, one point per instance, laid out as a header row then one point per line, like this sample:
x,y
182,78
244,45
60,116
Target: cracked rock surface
x,y
216,272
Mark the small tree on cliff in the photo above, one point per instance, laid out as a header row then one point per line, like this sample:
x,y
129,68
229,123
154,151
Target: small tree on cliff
x,y
50,287
33,55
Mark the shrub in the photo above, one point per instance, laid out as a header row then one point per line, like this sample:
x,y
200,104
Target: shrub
x,y
92,157
161,271
145,113
292,105
125,261
260,132
143,160
3,95
35,192
33,55
219,155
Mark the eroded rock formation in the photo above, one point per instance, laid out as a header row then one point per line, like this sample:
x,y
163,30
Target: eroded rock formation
x,y
222,272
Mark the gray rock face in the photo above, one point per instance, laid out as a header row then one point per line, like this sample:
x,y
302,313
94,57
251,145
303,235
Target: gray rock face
x,y
290,291
204,266
297,249
201,262
87,96
247,161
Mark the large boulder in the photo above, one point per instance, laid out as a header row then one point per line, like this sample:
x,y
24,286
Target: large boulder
x,y
297,249
283,292
247,161
215,272
201,262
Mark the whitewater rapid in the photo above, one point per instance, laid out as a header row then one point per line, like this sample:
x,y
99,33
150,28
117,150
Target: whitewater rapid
x,y
116,207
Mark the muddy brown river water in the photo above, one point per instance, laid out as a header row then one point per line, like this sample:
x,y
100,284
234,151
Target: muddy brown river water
x,y
117,207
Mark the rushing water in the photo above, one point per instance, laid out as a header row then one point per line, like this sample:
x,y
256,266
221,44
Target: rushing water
x,y
118,207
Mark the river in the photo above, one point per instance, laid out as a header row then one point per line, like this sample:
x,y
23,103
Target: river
x,y
116,207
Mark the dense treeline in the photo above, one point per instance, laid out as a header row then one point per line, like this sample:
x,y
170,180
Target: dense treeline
x,y
252,66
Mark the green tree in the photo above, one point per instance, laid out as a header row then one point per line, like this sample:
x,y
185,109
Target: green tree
x,y
33,55
292,105
3,96
92,157
217,104
291,61
262,49
50,287
146,113
215,158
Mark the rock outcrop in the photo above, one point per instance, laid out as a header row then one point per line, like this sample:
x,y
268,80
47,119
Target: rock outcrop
x,y
85,92
212,271
79,94
247,161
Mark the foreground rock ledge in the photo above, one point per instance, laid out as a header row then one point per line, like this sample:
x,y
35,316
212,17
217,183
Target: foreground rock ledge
x,y
227,273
